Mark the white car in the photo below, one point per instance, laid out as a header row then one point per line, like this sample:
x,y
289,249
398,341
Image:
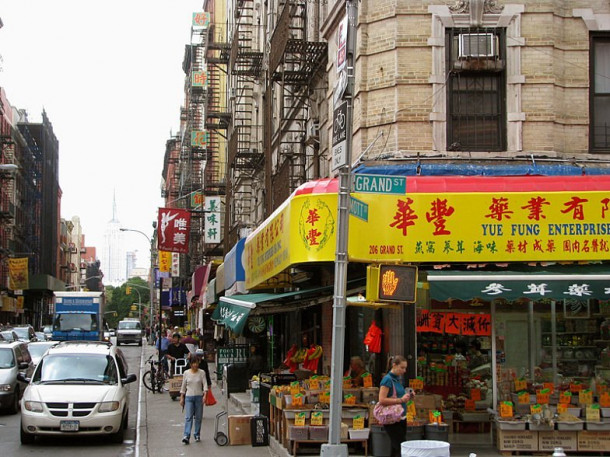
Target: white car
x,y
78,388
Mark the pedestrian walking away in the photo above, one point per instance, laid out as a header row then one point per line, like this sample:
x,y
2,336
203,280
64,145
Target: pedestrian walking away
x,y
192,396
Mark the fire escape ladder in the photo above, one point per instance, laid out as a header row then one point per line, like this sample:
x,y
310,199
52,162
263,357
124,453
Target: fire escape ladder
x,y
293,64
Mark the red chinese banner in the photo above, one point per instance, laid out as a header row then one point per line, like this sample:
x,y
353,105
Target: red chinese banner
x,y
454,323
173,228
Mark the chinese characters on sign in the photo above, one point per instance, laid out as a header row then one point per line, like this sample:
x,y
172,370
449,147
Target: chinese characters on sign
x,y
173,230
483,226
454,323
539,290
201,19
200,138
175,265
200,79
211,215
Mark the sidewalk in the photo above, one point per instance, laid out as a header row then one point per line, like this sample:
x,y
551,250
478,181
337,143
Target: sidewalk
x,y
162,422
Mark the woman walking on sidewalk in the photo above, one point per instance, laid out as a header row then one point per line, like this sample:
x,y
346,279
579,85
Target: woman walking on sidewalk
x,y
192,395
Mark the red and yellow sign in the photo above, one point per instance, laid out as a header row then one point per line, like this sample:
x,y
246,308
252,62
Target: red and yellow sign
x,y
441,219
454,323
18,273
165,261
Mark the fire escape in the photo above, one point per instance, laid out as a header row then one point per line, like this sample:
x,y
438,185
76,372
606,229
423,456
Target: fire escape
x,y
7,192
245,158
293,64
193,153
218,117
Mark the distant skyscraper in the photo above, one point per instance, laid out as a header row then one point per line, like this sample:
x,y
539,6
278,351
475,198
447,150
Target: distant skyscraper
x,y
113,258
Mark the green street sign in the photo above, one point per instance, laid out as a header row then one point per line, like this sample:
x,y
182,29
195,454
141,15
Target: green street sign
x,y
379,184
359,209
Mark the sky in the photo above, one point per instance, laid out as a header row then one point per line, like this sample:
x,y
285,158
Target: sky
x,y
109,76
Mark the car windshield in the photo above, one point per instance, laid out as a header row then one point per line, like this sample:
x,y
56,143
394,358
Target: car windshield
x,y
7,359
37,350
8,336
76,368
78,322
22,332
129,326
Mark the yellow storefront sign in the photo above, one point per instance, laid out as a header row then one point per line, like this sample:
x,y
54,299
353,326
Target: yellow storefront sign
x,y
165,261
426,227
18,273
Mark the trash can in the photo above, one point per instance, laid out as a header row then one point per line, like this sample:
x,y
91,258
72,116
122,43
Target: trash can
x,y
424,448
381,446
415,432
259,431
438,432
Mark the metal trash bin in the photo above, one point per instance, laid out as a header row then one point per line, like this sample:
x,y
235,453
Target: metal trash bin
x,y
381,445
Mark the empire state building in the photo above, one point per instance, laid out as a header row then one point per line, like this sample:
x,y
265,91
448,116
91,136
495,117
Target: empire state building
x,y
113,256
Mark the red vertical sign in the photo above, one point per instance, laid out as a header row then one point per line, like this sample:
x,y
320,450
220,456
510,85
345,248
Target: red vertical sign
x,y
173,228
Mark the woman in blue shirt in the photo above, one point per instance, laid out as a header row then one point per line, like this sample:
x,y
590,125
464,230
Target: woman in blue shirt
x,y
392,392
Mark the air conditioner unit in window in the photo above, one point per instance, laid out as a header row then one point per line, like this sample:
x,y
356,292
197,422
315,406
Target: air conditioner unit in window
x,y
314,129
477,45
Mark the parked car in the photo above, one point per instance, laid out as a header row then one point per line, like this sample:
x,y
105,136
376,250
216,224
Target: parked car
x,y
78,387
15,360
38,348
9,335
40,336
26,332
48,332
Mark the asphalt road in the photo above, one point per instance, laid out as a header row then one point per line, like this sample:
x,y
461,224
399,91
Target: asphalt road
x,y
70,446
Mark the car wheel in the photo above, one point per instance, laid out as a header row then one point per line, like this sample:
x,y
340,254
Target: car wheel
x,y
14,408
26,438
119,435
126,421
140,343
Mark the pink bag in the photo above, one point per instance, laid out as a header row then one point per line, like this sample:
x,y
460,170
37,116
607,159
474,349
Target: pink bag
x,y
388,414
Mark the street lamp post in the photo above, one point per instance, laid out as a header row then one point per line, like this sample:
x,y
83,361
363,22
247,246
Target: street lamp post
x,y
151,279
139,300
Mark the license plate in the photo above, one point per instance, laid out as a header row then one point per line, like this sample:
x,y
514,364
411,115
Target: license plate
x,y
69,426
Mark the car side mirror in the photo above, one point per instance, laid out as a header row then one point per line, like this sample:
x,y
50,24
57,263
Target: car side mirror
x,y
21,377
24,365
129,379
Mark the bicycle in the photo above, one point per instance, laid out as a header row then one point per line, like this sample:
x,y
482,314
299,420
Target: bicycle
x,y
155,378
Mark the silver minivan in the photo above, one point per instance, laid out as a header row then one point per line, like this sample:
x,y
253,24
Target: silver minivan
x,y
14,359
129,331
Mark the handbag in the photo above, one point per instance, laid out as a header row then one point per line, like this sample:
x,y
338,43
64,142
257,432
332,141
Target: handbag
x,y
210,400
388,414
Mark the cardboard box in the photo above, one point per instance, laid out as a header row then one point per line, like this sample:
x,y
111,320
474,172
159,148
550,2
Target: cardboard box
x,y
428,401
517,440
548,441
175,384
593,441
239,430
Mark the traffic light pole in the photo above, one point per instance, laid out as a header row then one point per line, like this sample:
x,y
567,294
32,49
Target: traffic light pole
x,y
334,448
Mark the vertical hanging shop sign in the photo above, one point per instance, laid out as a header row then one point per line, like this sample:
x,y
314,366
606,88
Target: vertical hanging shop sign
x,y
174,226
342,45
200,79
200,138
18,273
212,226
175,265
165,261
201,19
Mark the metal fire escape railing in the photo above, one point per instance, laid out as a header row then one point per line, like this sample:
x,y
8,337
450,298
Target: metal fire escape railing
x,y
245,158
293,63
218,116
28,235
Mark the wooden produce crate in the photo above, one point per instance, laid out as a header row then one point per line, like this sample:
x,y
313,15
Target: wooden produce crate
x,y
517,440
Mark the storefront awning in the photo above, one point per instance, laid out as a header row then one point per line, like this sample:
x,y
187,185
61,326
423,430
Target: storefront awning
x,y
577,283
233,311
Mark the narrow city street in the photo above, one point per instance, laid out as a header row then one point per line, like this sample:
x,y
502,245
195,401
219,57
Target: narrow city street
x,y
67,446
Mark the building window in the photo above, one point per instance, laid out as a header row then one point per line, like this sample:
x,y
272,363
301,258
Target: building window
x,y
600,93
476,90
